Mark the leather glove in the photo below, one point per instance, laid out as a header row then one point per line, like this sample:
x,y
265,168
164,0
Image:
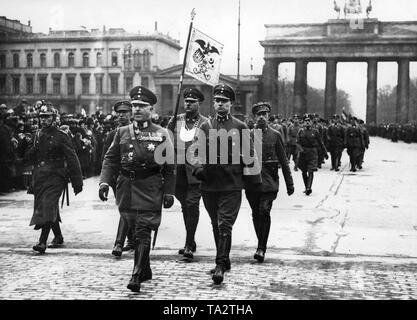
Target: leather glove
x,y
168,201
199,174
103,192
77,189
290,190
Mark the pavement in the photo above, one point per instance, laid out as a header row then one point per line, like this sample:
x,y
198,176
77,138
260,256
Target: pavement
x,y
354,237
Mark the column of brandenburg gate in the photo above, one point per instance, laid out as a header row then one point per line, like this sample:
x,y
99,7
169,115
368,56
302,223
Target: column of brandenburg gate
x,y
356,40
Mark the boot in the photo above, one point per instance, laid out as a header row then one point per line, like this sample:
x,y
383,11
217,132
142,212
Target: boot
x,y
41,245
309,183
305,180
130,240
222,258
264,227
141,268
193,248
58,240
120,237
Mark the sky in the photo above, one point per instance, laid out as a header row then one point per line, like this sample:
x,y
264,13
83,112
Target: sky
x,y
219,20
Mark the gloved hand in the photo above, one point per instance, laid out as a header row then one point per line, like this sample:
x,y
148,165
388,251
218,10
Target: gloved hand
x,y
103,192
199,174
290,190
77,189
168,201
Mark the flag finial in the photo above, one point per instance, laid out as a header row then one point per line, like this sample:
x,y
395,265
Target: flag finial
x,y
193,14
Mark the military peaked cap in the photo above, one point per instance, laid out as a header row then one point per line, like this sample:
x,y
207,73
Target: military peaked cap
x,y
142,95
261,106
224,91
193,94
122,105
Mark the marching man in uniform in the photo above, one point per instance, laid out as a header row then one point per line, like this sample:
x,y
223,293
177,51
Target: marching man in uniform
x,y
261,199
187,189
143,185
222,183
53,156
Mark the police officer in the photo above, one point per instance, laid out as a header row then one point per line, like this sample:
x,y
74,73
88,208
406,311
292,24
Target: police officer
x,y
143,184
187,189
261,199
123,109
222,183
309,142
54,160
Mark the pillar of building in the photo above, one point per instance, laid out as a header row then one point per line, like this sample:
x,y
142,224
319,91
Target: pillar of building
x,y
403,90
372,91
270,83
300,87
330,92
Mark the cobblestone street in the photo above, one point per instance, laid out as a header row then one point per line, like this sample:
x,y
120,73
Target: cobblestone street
x,y
353,238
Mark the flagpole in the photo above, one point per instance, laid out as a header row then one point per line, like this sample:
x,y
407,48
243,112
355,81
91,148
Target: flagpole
x,y
174,122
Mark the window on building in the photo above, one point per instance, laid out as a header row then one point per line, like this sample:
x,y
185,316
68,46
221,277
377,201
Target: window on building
x,y
114,59
43,60
114,84
146,60
2,85
29,85
99,59
85,59
16,85
42,85
2,61
16,60
145,82
29,60
129,83
56,85
99,85
57,60
71,85
136,60
71,59
85,84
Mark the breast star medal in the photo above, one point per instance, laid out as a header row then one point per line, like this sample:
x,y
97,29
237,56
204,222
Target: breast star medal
x,y
151,147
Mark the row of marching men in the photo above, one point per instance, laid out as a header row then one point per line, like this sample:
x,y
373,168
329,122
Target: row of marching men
x,y
144,185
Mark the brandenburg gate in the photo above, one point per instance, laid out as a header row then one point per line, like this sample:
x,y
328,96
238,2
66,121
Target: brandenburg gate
x,y
340,40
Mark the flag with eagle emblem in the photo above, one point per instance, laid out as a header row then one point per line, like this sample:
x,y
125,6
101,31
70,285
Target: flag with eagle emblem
x,y
204,57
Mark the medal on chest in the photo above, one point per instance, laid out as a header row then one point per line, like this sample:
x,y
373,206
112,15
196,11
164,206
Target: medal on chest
x,y
151,147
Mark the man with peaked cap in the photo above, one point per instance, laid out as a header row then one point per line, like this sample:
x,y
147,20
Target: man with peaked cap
x,y
123,109
223,181
309,142
146,181
53,156
273,157
187,189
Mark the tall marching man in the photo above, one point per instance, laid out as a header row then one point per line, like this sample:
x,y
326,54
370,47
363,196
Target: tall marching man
x,y
261,199
223,181
187,189
123,109
144,184
54,159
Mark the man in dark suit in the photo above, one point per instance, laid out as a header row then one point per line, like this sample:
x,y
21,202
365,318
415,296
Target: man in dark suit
x,y
145,183
273,157
187,189
222,176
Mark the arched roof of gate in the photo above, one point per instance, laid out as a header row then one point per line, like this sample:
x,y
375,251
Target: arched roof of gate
x,y
345,40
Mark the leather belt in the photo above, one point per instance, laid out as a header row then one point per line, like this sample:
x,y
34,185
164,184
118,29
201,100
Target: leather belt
x,y
142,173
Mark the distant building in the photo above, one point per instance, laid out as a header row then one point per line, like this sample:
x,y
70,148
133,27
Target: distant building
x,y
77,69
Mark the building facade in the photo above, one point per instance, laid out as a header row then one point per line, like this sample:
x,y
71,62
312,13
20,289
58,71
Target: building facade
x,y
77,69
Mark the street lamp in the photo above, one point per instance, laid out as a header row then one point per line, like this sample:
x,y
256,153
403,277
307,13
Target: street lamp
x,y
127,56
